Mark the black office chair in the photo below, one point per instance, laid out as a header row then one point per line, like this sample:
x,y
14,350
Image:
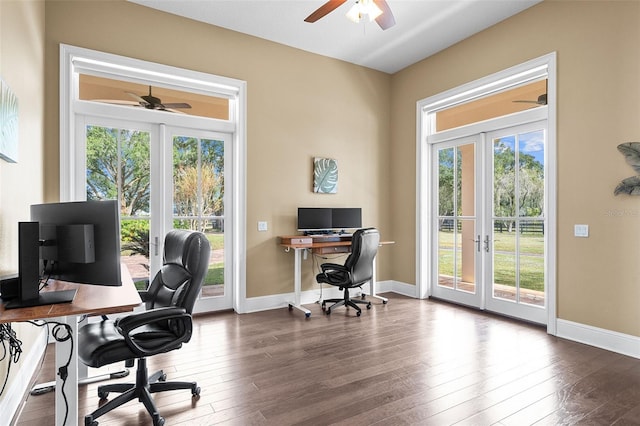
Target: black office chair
x,y
164,326
356,271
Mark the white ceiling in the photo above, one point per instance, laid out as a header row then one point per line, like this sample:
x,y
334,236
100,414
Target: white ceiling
x,y
423,27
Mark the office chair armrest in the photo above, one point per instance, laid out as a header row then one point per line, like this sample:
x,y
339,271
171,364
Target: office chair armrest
x,y
127,326
329,267
335,274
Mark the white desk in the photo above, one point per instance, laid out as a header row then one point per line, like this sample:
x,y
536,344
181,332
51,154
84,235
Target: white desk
x,y
321,245
89,300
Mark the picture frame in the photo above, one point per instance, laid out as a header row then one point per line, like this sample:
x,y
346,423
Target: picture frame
x,y
8,123
325,175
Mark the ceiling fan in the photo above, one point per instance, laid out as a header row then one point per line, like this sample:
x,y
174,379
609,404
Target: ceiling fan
x,y
151,102
147,101
542,100
373,9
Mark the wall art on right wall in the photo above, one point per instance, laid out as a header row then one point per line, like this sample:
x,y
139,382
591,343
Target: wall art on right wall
x,y
8,123
630,185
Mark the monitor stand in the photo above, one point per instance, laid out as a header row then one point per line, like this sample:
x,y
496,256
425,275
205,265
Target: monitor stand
x,y
44,298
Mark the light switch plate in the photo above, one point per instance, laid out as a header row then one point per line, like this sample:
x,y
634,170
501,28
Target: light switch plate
x,y
262,226
581,231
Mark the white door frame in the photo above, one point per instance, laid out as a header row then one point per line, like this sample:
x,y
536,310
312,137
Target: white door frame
x,y
544,66
75,61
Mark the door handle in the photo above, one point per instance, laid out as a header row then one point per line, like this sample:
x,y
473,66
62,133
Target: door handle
x,y
478,242
486,243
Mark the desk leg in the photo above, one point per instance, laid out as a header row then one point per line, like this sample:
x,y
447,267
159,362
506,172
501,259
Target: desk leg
x,y
297,282
83,376
70,389
372,286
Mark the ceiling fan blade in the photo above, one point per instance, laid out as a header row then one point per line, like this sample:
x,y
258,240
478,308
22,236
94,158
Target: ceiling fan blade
x,y
386,20
137,98
177,105
116,102
323,10
177,111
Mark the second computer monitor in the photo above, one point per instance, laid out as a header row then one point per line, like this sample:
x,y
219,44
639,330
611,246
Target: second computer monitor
x,y
343,219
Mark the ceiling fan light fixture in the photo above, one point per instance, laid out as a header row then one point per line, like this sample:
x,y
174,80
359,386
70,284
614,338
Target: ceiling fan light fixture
x,y
364,9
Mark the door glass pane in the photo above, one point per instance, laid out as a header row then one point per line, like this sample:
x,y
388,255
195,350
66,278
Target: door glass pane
x,y
531,262
118,168
198,194
446,265
466,256
518,218
531,174
504,260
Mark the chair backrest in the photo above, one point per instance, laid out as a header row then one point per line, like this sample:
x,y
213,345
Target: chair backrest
x,y
184,268
364,247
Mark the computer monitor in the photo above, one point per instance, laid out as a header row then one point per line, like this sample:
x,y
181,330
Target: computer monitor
x,y
314,219
326,220
343,219
77,242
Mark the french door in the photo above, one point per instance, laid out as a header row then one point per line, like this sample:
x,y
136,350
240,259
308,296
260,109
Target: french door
x,y
164,178
489,224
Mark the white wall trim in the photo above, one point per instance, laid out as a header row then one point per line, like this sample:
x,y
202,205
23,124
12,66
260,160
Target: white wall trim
x,y
613,341
310,297
13,398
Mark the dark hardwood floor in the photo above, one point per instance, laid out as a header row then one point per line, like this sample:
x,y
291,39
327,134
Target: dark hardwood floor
x,y
407,362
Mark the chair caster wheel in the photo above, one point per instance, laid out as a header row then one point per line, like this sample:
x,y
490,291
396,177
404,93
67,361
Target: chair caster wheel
x,y
307,314
88,421
158,420
162,378
328,311
368,305
290,307
358,313
195,391
363,296
384,302
103,395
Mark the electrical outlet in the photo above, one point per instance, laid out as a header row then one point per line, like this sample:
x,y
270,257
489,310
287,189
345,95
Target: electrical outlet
x,y
262,226
581,231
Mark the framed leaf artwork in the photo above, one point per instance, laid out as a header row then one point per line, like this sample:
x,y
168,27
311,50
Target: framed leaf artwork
x,y
325,175
8,123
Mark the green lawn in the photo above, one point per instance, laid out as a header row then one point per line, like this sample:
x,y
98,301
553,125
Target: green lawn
x,y
531,259
215,275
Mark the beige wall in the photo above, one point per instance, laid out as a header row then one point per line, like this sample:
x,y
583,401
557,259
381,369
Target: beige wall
x,y
300,105
21,184
597,43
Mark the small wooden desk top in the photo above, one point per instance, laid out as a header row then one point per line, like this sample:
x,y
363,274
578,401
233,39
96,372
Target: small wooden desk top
x,y
90,299
323,242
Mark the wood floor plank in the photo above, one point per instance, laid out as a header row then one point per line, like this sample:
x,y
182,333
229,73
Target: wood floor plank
x,y
405,363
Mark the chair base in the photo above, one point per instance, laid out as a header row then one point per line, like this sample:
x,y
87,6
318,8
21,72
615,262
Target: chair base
x,y
345,301
141,390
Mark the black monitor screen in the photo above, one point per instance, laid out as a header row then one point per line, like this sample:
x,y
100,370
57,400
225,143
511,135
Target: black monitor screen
x,y
312,219
346,218
80,241
77,242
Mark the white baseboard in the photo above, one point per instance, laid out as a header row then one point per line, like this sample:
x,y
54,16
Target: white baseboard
x,y
613,341
309,297
14,394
